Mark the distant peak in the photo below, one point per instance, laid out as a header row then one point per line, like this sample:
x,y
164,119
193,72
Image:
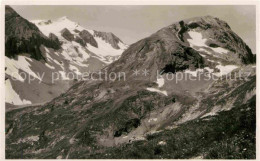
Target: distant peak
x,y
63,18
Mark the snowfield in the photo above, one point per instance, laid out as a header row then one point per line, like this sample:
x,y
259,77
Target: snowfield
x,y
57,25
21,64
198,41
224,70
103,50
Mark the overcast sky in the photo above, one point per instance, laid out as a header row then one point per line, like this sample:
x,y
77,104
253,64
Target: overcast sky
x,y
132,23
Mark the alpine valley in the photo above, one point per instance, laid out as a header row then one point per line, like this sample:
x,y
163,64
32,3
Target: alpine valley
x,y
154,113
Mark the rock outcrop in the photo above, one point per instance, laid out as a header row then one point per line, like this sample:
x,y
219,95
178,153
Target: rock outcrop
x,y
108,37
67,35
88,38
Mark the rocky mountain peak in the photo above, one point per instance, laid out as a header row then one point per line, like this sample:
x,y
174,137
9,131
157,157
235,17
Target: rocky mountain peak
x,y
188,44
109,37
88,38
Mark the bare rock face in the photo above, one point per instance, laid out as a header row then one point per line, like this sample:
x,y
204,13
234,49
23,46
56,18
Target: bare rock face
x,y
67,35
80,41
218,34
88,38
109,38
169,48
54,38
22,36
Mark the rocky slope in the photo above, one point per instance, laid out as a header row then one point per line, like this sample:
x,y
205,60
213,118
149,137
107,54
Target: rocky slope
x,y
193,76
22,36
40,50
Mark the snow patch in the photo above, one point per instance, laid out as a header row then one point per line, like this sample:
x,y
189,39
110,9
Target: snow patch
x,y
49,66
224,70
104,49
160,81
162,143
157,90
12,97
152,119
198,41
13,67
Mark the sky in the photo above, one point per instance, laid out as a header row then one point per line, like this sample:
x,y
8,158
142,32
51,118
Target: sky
x,y
132,23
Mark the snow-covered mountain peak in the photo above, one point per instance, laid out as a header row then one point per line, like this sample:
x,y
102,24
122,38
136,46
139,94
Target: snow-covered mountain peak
x,y
57,25
52,46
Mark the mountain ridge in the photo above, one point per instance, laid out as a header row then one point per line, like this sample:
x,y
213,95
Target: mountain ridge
x,y
31,56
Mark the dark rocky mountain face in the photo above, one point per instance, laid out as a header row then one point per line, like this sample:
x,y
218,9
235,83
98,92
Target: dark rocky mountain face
x,y
88,38
67,35
22,36
108,37
147,116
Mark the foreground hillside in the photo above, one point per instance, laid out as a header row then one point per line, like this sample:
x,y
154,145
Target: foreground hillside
x,y
229,135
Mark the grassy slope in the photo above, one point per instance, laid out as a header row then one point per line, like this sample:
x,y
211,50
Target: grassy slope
x,y
229,135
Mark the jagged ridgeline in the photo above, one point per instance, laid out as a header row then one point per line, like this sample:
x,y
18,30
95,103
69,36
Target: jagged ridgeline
x,y
45,47
22,36
188,44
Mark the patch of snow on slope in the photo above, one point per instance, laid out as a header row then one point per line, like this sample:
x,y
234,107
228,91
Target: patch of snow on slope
x,y
152,119
211,60
220,50
49,66
69,53
162,143
104,49
197,40
160,81
224,70
12,97
157,90
13,67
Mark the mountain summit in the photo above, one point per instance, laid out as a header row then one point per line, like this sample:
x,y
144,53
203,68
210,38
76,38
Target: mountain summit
x,y
188,44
